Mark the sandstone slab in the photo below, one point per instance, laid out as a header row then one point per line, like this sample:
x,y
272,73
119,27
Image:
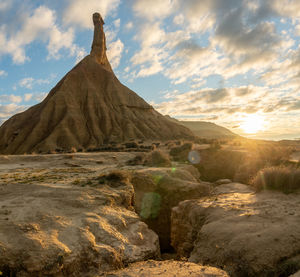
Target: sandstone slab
x,y
244,233
65,230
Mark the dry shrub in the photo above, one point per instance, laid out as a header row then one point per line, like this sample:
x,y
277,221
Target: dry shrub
x,y
114,179
241,166
285,179
158,158
137,160
219,164
181,153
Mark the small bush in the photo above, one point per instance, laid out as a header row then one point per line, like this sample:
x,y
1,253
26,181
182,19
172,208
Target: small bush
x,y
137,160
115,178
181,153
157,158
219,164
280,178
131,145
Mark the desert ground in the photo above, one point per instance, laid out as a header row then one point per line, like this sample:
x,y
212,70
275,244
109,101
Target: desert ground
x,y
142,214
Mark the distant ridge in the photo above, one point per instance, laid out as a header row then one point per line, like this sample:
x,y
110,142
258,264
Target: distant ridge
x,y
205,129
89,107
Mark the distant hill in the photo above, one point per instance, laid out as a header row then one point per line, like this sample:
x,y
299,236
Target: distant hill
x,y
206,129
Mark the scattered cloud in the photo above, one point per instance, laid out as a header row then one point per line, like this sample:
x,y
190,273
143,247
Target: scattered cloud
x,y
8,110
129,25
3,73
153,9
30,82
78,12
5,4
27,97
38,25
10,98
114,53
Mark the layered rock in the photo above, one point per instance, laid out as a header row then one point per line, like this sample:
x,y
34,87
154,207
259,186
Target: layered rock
x,y
158,190
244,233
61,230
89,107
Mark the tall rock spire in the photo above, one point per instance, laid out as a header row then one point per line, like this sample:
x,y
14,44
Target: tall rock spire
x,y
88,108
98,50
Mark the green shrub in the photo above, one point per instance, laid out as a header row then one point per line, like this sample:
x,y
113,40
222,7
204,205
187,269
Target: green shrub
x,y
285,179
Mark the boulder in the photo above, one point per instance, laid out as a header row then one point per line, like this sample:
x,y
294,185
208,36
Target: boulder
x,y
244,233
65,230
167,269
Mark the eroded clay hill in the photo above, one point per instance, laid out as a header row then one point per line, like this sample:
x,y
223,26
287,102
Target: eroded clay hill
x,y
89,107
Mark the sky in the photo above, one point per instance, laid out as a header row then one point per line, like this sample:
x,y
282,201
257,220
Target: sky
x,y
232,62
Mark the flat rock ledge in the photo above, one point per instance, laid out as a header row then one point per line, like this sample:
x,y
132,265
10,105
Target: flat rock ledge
x,y
244,233
61,230
167,269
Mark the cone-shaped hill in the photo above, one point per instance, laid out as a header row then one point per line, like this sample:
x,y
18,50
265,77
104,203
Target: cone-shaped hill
x,y
89,107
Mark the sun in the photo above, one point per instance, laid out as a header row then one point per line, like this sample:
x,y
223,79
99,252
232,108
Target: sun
x,y
252,124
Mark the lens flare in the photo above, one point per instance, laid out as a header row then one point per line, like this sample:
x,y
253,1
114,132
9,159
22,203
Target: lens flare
x,y
151,205
194,157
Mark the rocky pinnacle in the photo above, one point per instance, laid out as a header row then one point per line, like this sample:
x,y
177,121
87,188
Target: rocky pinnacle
x,y
98,50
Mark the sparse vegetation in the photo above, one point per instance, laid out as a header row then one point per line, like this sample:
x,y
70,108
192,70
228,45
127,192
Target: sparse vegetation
x,y
181,153
219,164
114,178
137,160
285,179
158,158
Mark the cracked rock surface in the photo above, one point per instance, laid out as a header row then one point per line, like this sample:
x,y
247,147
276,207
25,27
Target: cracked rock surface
x,y
244,233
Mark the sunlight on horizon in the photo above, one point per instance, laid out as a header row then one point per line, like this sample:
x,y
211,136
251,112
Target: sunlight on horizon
x,y
252,124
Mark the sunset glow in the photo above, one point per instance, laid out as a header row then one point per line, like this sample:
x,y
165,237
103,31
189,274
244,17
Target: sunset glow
x,y
253,124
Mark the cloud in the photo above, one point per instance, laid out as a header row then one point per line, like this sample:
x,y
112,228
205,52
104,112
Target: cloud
x,y
27,96
10,98
30,82
3,73
114,52
288,8
151,10
59,40
8,110
5,5
238,37
129,25
216,102
38,97
78,12
37,25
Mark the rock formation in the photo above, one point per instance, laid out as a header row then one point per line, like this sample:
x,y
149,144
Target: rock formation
x,y
244,233
65,230
89,107
158,190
